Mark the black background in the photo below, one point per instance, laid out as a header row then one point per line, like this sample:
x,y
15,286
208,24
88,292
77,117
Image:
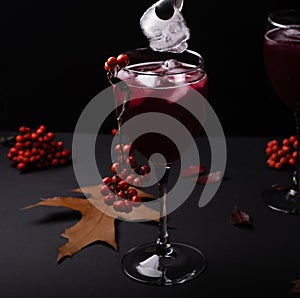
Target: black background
x,y
52,55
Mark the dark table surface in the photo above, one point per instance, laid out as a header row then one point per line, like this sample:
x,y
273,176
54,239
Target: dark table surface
x,y
258,262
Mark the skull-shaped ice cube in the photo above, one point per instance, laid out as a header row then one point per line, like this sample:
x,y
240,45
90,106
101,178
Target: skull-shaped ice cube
x,y
165,34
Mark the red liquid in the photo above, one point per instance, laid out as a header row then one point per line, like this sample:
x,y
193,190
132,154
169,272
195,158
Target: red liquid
x,y
282,60
166,97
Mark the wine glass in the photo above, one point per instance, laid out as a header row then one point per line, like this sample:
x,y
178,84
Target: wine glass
x,y
160,82
282,62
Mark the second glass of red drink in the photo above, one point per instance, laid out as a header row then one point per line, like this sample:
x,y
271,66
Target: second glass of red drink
x,y
282,61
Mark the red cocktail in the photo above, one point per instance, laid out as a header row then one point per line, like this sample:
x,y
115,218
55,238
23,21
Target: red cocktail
x,y
282,60
166,83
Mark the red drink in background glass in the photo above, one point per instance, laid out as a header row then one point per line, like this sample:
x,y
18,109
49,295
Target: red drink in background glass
x,y
282,60
157,89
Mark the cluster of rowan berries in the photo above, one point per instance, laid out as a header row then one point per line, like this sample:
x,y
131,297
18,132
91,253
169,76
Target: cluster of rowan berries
x,y
116,63
117,189
282,154
36,149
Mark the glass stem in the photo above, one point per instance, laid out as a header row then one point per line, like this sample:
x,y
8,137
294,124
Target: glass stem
x,y
296,176
163,246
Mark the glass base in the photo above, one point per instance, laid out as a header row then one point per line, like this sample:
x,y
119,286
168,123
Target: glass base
x,y
182,264
282,198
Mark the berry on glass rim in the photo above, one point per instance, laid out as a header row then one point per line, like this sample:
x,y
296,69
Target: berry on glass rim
x,y
122,60
112,63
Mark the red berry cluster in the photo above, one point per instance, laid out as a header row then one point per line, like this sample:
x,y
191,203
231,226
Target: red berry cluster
x,y
113,63
37,149
117,190
282,154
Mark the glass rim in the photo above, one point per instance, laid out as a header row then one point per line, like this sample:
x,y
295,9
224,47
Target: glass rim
x,y
276,13
198,65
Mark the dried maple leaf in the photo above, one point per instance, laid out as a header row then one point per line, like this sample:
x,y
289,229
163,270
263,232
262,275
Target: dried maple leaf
x,y
239,217
192,170
98,219
296,287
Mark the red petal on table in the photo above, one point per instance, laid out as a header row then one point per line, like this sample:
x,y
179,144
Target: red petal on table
x,y
192,170
239,217
210,178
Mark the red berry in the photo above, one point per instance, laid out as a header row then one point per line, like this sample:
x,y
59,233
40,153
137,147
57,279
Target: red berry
x,y
271,163
122,60
131,161
295,144
27,144
112,62
22,129
138,182
127,206
283,160
27,137
136,201
104,190
123,185
145,169
118,148
37,157
119,205
60,144
292,161
131,192
114,131
13,151
51,135
19,145
121,194
280,153
21,166
274,156
62,161
109,199
114,168
19,138
127,149
34,151
66,153
286,149
286,142
115,179
27,153
34,136
106,180
55,162
108,68
274,148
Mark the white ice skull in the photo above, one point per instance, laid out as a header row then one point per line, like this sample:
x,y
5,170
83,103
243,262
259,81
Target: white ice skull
x,y
165,35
